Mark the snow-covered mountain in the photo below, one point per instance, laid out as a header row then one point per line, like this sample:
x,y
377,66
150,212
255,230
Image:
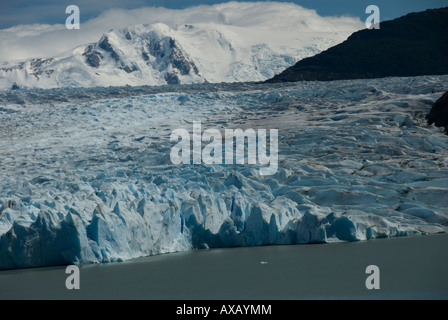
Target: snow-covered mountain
x,y
232,43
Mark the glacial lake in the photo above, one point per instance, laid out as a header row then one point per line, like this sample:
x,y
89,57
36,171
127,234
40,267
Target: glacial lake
x,y
409,268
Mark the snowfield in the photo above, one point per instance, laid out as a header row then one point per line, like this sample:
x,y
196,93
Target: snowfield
x,y
86,175
157,54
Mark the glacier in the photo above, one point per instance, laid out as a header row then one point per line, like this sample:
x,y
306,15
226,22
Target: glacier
x,y
86,175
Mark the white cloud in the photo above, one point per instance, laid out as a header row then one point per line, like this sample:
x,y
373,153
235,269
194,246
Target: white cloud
x,y
271,19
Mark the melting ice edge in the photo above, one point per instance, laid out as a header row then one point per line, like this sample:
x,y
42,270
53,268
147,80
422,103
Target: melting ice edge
x,y
91,181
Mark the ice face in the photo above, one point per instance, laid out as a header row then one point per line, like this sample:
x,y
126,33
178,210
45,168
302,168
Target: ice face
x,y
87,178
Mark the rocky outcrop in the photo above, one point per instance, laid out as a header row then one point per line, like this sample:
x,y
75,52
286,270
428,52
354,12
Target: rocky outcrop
x,y
439,113
159,52
92,56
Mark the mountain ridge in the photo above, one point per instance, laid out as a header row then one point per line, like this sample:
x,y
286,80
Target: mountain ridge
x,y
231,42
412,45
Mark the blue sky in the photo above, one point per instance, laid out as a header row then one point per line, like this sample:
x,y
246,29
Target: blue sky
x,y
15,12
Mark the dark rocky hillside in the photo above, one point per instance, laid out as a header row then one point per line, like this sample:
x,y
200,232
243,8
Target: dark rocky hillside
x,y
413,45
439,113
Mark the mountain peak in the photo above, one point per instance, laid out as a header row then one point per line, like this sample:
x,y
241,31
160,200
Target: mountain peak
x,y
140,47
227,43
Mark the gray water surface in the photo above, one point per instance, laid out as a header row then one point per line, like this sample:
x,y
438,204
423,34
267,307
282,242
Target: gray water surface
x,y
410,268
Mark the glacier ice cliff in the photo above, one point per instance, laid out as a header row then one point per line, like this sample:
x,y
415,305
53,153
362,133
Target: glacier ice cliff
x,y
89,180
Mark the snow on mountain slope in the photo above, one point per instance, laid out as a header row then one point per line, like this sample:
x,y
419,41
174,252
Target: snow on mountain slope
x,y
229,42
133,56
87,178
